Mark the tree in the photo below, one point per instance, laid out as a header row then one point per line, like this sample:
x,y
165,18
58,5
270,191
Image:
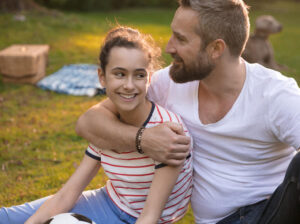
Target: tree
x,y
20,5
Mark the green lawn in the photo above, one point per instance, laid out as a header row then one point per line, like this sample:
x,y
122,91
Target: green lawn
x,y
39,148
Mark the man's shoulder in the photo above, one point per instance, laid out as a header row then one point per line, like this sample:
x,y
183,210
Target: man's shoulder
x,y
268,78
161,74
258,71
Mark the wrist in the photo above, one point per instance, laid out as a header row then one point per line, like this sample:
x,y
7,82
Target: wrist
x,y
138,140
146,219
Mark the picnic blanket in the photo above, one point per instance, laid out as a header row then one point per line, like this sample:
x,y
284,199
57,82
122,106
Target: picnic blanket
x,y
75,79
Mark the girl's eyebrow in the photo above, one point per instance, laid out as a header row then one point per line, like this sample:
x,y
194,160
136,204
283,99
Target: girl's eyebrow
x,y
119,68
141,70
123,69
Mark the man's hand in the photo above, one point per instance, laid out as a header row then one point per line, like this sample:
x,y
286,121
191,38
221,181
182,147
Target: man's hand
x,y
166,143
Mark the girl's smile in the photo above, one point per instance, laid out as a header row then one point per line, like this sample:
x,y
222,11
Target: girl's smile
x,y
126,80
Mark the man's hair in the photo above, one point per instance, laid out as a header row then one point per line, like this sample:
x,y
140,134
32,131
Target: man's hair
x,y
222,19
127,37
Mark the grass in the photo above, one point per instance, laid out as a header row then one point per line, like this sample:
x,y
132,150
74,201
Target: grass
x,y
39,148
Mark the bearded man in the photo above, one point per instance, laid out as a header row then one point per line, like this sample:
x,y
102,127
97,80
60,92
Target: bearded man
x,y
244,119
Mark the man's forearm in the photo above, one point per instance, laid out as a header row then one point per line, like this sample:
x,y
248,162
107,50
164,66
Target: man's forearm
x,y
166,142
101,126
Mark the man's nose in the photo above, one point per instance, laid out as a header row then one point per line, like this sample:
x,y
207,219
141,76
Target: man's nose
x,y
170,49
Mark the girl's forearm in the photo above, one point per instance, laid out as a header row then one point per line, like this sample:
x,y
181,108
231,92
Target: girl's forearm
x,y
160,190
66,197
53,206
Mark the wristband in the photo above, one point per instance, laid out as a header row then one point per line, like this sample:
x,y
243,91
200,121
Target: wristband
x,y
138,140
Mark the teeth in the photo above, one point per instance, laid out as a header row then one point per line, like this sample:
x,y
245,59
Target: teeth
x,y
127,96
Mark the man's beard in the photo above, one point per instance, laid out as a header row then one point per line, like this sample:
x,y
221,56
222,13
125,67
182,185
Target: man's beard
x,y
199,70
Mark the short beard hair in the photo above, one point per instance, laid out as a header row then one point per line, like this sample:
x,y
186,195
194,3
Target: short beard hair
x,y
200,69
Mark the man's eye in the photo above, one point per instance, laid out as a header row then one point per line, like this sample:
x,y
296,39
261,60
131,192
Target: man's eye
x,y
180,39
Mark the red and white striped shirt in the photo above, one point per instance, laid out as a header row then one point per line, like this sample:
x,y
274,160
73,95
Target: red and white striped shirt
x,y
130,174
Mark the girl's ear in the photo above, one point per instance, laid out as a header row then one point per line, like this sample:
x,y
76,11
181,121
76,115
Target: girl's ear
x,y
101,76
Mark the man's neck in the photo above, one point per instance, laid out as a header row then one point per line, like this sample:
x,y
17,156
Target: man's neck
x,y
218,92
227,79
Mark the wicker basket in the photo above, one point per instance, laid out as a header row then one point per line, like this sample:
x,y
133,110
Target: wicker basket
x,y
24,63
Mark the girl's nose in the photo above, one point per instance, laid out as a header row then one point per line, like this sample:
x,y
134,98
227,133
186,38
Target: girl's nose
x,y
128,83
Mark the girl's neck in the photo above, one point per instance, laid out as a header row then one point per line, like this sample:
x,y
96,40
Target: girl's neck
x,y
138,116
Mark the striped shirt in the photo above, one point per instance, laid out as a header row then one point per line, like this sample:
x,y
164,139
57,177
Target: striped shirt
x,y
130,174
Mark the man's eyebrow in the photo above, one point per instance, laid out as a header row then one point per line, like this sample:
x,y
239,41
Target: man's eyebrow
x,y
177,34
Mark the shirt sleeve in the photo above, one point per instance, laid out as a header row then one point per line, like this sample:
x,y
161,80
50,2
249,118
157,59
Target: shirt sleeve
x,y
93,152
159,86
284,112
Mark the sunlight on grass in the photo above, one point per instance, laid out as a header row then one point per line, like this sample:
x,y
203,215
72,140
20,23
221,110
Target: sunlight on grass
x,y
39,148
87,42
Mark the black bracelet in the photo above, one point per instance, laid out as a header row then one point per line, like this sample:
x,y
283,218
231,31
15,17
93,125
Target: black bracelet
x,y
138,140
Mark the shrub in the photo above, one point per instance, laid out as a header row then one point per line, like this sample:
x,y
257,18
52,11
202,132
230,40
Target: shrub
x,y
96,5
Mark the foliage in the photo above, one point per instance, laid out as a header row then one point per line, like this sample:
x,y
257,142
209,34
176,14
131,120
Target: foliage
x,y
39,148
96,5
19,5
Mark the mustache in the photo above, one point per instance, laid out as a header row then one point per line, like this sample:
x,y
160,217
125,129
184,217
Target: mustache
x,y
176,57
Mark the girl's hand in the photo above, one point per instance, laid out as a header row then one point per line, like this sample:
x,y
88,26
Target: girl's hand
x,y
145,220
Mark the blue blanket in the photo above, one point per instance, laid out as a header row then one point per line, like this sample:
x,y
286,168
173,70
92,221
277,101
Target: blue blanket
x,y
76,79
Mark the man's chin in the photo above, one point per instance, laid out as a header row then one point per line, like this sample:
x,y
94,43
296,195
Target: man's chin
x,y
177,74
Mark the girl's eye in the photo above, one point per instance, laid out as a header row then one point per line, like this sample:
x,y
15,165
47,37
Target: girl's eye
x,y
141,75
119,74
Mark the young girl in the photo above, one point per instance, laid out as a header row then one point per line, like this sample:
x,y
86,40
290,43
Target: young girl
x,y
139,190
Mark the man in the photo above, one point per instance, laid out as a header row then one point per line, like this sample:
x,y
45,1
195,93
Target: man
x,y
244,119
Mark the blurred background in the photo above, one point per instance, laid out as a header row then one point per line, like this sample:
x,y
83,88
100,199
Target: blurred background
x,y
39,148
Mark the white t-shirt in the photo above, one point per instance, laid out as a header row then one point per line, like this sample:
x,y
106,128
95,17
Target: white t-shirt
x,y
242,158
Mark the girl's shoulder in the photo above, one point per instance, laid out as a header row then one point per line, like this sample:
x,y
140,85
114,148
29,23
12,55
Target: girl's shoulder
x,y
161,115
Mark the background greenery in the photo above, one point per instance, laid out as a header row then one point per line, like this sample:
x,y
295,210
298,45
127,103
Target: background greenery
x,y
39,148
95,5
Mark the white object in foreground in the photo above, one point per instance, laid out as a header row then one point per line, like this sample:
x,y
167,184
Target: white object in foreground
x,y
69,218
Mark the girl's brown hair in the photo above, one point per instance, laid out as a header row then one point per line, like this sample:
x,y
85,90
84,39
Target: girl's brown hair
x,y
130,38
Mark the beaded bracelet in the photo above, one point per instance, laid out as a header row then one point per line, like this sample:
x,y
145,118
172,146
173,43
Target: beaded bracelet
x,y
138,140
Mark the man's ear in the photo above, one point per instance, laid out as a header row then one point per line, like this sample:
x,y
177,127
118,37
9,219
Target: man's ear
x,y
216,48
101,77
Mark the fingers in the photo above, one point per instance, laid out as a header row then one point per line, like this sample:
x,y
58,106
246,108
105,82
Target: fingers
x,y
174,162
164,143
177,128
178,156
180,137
183,140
